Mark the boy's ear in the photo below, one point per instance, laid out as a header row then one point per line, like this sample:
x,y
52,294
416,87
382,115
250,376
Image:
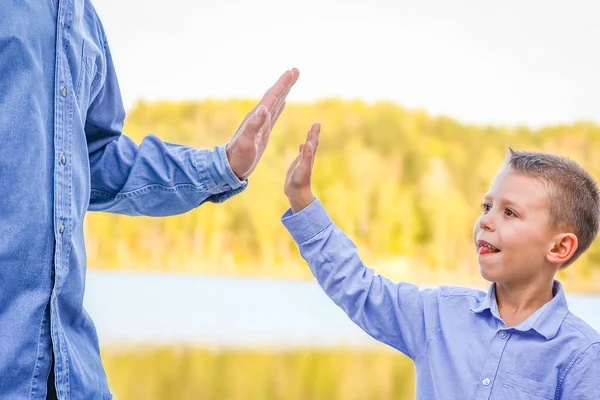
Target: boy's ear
x,y
564,246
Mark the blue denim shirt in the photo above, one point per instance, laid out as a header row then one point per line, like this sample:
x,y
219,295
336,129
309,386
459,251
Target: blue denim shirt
x,y
460,346
62,153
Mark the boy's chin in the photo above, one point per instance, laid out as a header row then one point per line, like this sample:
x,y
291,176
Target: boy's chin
x,y
491,273
487,276
496,274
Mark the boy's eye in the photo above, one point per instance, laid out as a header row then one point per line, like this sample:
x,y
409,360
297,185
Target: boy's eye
x,y
485,207
510,213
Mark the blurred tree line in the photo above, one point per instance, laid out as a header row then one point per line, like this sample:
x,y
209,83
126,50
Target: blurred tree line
x,y
404,185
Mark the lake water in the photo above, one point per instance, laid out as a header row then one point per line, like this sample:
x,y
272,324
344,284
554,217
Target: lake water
x,y
230,312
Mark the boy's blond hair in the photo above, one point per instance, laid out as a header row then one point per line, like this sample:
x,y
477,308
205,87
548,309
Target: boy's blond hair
x,y
573,195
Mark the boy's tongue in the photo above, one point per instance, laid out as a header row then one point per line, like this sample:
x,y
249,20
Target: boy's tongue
x,y
487,250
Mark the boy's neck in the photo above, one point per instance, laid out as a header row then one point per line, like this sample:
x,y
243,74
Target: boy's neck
x,y
518,302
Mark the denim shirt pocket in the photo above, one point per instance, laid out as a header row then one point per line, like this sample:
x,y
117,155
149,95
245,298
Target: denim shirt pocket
x,y
518,387
90,75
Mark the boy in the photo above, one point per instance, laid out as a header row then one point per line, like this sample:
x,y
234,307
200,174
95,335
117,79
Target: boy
x,y
518,340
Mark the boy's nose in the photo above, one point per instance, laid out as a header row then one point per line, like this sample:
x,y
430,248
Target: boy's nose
x,y
486,222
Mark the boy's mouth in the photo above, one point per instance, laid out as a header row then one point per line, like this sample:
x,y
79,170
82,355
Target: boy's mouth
x,y
486,248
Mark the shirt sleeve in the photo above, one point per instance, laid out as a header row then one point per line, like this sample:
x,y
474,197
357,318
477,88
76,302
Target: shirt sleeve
x,y
581,380
153,178
397,314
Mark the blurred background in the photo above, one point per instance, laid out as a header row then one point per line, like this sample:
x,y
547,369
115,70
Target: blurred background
x,y
418,101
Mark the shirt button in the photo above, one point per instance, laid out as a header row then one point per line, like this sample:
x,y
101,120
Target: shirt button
x,y
63,91
61,229
486,382
502,335
63,159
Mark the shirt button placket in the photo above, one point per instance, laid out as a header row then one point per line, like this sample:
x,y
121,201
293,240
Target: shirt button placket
x,y
62,158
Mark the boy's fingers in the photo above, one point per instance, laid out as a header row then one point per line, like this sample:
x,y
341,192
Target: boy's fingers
x,y
307,161
312,136
303,163
315,131
298,158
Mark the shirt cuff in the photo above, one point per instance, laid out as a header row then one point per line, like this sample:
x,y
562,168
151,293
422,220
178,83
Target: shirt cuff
x,y
306,223
214,165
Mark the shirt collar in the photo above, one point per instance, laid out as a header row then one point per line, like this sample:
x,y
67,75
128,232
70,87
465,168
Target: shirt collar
x,y
546,321
486,303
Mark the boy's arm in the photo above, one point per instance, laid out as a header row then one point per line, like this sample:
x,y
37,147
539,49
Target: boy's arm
x,y
158,178
582,379
399,315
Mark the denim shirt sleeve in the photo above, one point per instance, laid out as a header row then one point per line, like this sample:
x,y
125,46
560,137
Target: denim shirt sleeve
x,y
581,377
398,314
153,178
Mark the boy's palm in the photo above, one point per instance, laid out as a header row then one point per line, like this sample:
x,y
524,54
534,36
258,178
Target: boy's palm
x,y
298,178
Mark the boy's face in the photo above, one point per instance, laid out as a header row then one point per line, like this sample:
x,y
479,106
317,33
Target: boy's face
x,y
515,221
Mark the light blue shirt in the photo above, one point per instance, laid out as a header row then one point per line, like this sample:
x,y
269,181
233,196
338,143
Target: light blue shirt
x,y
62,153
460,346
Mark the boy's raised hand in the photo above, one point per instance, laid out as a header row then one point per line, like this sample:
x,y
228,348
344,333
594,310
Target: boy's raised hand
x,y
298,179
